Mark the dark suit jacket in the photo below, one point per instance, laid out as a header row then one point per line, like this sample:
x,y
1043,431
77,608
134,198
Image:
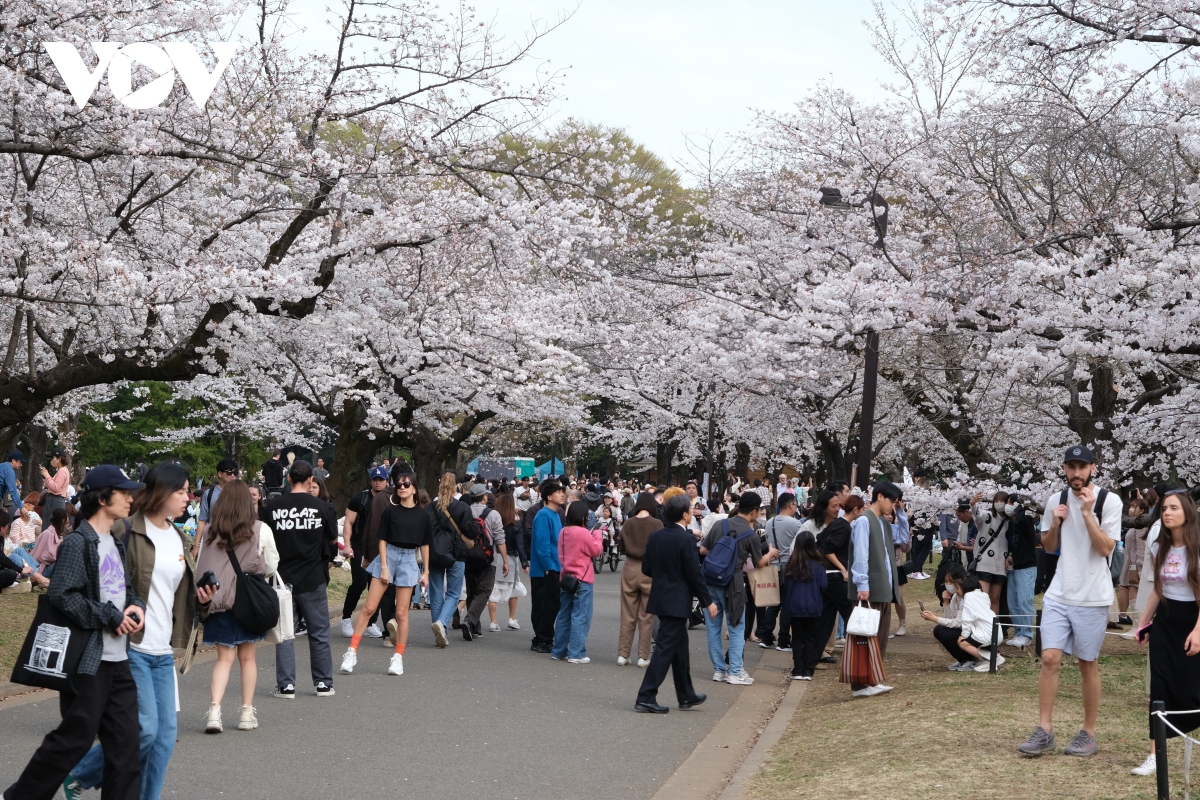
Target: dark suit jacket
x,y
673,563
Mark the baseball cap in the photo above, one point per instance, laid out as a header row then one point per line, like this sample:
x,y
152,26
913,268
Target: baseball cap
x,y
378,473
16,455
477,490
1079,453
108,476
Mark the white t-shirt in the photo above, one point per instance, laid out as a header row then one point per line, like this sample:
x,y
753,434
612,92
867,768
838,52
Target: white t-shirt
x,y
112,590
160,605
1083,577
1174,574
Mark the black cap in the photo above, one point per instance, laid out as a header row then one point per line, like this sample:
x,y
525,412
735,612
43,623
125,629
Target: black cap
x,y
1081,453
964,504
108,476
16,455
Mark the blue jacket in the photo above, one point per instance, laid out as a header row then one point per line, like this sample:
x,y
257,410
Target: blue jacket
x,y
805,598
8,487
543,557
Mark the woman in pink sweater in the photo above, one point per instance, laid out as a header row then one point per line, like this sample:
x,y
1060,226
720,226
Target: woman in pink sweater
x,y
577,546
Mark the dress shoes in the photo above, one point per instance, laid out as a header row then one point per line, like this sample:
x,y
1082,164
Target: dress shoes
x,y
650,708
695,701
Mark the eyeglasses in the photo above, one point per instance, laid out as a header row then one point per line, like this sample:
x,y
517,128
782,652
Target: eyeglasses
x,y
1175,491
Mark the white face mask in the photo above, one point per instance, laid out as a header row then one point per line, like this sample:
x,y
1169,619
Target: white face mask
x,y
951,588
998,505
1010,509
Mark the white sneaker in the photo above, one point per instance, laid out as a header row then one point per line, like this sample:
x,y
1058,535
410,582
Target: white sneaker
x,y
869,691
248,720
348,662
984,666
373,632
513,625
1148,767
838,644
882,688
902,631
1023,641
347,628
439,635
954,667
494,627
622,661
584,660
740,679
1013,642
643,663
391,626
397,665
967,666
720,676
213,723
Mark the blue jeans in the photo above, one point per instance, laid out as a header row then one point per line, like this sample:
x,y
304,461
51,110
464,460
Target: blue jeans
x,y
21,557
155,679
737,634
573,622
445,585
1020,599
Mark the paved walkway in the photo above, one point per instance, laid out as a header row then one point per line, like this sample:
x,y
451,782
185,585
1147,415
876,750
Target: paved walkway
x,y
484,719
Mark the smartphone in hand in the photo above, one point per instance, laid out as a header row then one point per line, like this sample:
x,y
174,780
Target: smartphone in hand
x,y
1143,632
921,605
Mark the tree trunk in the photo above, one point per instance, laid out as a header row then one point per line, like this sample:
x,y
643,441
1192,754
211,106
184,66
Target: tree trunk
x,y
352,455
741,462
663,457
431,456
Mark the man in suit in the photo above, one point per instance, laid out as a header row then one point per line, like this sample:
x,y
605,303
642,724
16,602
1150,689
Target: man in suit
x,y
672,563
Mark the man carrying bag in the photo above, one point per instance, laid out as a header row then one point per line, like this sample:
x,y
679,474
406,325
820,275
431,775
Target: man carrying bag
x,y
873,577
90,589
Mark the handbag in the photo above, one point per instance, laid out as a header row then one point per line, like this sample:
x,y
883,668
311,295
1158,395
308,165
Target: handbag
x,y
569,583
255,603
53,648
285,628
862,662
864,621
764,581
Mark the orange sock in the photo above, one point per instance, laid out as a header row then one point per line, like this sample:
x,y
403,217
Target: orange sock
x,y
399,648
354,640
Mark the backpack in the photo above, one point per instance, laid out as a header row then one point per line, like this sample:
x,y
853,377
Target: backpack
x,y
442,550
1097,509
480,548
721,563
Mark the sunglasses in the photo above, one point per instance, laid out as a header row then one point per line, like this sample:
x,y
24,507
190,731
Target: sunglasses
x,y
404,484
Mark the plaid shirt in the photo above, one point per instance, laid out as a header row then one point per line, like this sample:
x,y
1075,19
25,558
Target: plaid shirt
x,y
75,590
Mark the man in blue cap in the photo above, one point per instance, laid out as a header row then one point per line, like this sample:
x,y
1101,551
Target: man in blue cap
x,y
10,487
358,511
91,589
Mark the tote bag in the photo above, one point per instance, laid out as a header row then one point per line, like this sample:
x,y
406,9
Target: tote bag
x,y
52,651
864,621
285,628
765,582
862,663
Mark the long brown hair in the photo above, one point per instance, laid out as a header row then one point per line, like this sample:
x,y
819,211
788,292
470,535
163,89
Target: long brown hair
x,y
1191,542
231,519
446,491
506,507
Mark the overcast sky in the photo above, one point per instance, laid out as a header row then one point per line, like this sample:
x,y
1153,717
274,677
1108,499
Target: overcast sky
x,y
666,69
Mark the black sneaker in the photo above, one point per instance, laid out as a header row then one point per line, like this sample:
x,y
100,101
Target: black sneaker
x,y
1125,620
324,690
285,692
465,627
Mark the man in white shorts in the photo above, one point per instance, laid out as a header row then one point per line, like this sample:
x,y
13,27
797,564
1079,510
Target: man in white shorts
x,y
1085,530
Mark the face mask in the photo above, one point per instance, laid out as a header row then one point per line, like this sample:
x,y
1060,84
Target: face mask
x,y
951,588
1010,509
999,506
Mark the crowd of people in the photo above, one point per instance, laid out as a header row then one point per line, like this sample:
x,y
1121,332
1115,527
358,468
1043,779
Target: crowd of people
x,y
117,558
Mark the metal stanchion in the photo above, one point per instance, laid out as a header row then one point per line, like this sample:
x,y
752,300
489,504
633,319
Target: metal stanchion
x,y
1160,750
1037,634
995,644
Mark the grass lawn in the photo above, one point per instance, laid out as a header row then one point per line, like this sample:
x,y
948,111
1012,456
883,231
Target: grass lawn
x,y
944,734
17,610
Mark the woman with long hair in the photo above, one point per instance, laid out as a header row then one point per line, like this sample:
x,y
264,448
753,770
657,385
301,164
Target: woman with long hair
x,y
1171,618
446,583
160,568
404,528
577,546
833,542
505,588
635,585
804,583
233,527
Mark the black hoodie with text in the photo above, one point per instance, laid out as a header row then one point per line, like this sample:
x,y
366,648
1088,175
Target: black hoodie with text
x,y
304,528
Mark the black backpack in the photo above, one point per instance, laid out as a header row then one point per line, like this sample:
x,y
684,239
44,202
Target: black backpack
x,y
442,550
255,603
1097,509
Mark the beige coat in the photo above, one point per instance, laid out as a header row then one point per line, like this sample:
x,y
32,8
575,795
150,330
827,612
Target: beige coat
x,y
250,557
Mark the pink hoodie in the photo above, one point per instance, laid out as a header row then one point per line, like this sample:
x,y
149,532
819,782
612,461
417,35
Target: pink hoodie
x,y
576,549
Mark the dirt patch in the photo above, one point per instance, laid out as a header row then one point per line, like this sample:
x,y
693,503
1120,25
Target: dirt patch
x,y
947,734
16,615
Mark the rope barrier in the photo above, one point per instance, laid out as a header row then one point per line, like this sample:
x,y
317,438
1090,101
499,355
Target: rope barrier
x,y
1160,723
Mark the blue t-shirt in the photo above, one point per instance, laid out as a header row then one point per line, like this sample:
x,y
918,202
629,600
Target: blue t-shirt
x,y
544,542
206,501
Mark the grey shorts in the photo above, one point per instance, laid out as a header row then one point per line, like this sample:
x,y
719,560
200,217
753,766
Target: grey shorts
x,y
1078,630
402,566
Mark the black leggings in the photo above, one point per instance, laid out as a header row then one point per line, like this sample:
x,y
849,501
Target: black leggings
x,y
837,601
949,639
806,649
360,580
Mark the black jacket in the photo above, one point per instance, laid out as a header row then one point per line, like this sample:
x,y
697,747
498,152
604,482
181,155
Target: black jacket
x,y
673,564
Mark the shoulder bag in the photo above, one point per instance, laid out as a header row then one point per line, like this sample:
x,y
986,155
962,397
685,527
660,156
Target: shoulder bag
x,y
53,648
255,603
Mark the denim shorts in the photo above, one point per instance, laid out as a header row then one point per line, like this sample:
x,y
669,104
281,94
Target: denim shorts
x,y
402,566
224,629
1078,630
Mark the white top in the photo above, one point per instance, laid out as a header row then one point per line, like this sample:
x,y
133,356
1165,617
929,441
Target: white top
x,y
112,590
977,617
160,605
266,546
1083,577
1174,574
